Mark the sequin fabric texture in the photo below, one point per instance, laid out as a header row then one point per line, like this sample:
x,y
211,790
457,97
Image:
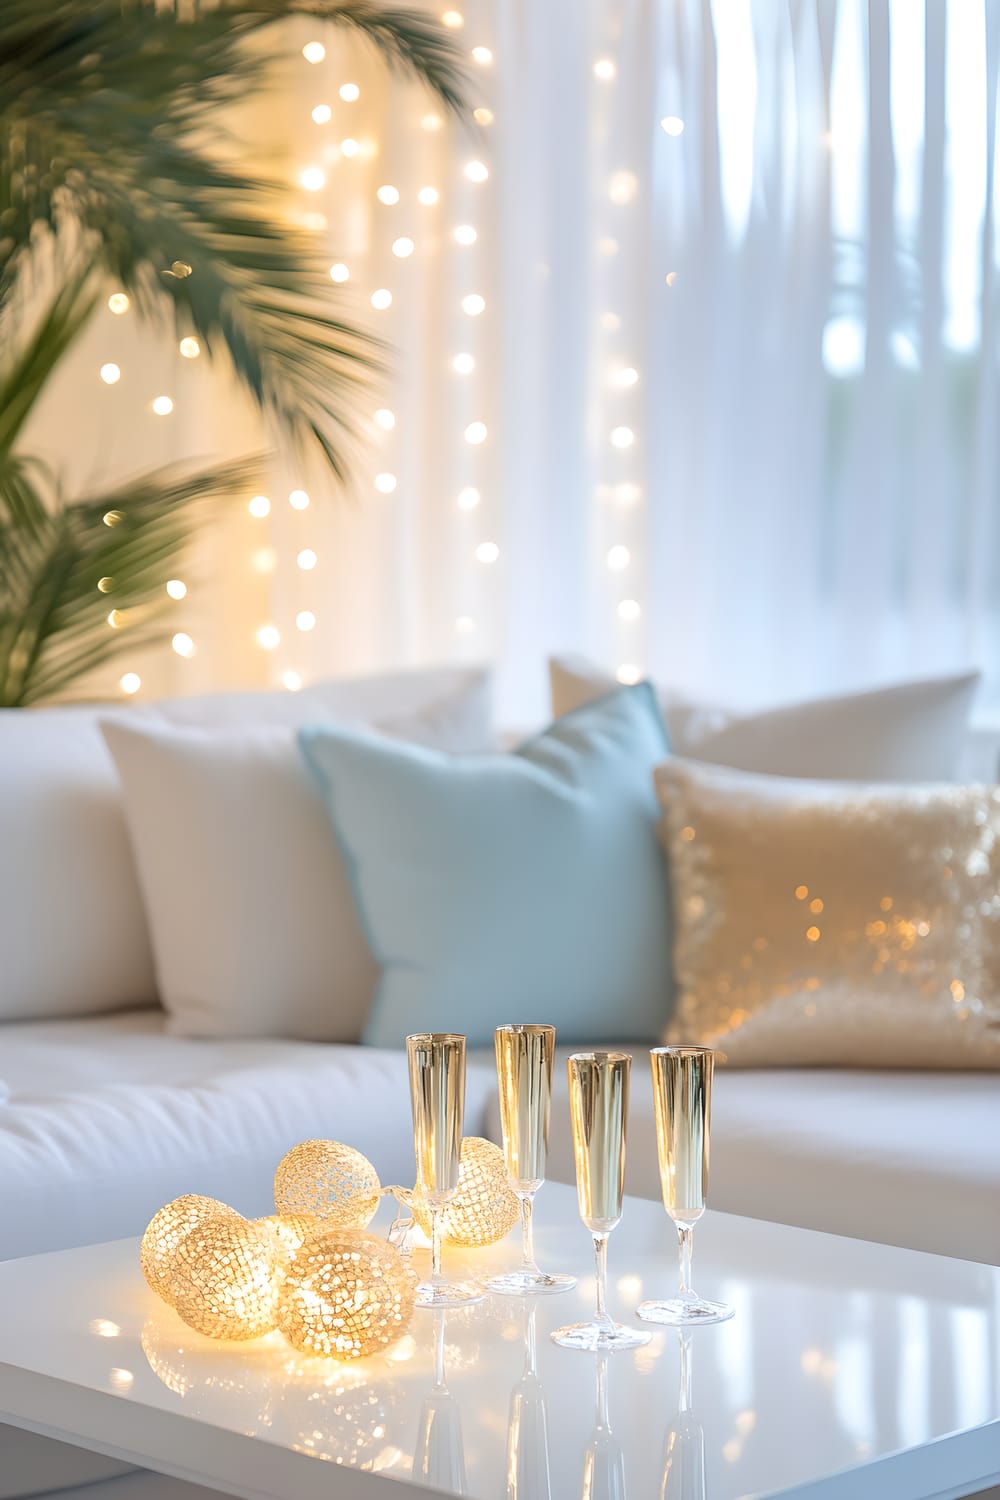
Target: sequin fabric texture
x,y
833,924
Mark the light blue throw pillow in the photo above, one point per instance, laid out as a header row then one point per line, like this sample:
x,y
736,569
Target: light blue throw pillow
x,y
499,888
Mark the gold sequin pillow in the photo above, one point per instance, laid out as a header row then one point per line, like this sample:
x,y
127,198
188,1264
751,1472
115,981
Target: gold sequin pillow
x,y
831,923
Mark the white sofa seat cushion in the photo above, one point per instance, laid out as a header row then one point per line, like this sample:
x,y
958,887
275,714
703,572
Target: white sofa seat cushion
x,y
108,1120
902,1158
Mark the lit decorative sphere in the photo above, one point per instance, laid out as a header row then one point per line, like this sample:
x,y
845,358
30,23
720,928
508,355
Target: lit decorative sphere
x,y
346,1293
332,1181
167,1228
484,1209
225,1278
290,1229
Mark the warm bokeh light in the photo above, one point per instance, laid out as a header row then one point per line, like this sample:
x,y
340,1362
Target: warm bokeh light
x,y
314,52
385,483
403,247
385,419
387,194
322,114
618,558
381,299
182,644
130,682
468,498
473,304
176,589
349,92
487,552
477,171
672,124
305,620
162,406
189,348
465,234
463,364
339,272
269,637
313,179
298,499
307,559
428,196
118,303
111,374
259,506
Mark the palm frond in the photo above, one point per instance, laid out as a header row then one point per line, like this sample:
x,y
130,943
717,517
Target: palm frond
x,y
65,568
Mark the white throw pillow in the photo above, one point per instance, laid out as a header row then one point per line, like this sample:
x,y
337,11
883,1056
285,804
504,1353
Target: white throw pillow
x,y
253,923
75,936
912,731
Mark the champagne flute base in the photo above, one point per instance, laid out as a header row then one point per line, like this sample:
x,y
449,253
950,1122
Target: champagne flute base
x,y
600,1338
685,1312
530,1284
438,1295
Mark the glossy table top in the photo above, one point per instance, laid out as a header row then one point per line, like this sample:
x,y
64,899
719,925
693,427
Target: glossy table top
x,y
850,1370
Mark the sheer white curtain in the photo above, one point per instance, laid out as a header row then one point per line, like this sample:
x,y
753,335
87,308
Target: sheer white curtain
x,y
725,400
738,371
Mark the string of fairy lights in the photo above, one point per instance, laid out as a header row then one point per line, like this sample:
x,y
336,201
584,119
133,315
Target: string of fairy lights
x,y
337,142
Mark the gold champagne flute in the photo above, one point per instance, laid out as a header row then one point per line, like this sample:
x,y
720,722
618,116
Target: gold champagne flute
x,y
682,1100
437,1096
524,1078
598,1097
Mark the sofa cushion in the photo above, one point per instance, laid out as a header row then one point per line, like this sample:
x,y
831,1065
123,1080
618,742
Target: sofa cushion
x,y
75,934
910,731
110,1118
902,1158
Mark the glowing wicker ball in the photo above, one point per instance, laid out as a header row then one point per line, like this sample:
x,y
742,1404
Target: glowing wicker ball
x,y
226,1275
290,1230
165,1231
331,1181
346,1293
484,1209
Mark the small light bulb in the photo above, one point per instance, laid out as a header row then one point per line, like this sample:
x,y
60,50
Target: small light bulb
x,y
626,377
381,299
312,179
487,552
116,619
385,483
629,673
453,18
431,122
672,124
475,433
292,681
629,610
623,187
618,559
307,559
183,644
298,499
473,304
468,498
162,406
314,52
339,272
112,517
464,625
189,348
622,437
476,171
482,55
268,637
463,364
322,114
604,68
130,683
259,506
349,146
305,620
403,247
385,419
465,234
176,589
118,303
349,92
105,585
111,374
482,115
387,194
428,196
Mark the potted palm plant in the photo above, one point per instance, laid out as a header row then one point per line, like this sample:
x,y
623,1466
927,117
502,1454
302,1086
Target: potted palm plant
x,y
105,179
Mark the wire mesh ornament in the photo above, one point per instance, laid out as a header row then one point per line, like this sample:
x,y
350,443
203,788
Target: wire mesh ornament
x,y
289,1230
225,1279
483,1209
330,1181
167,1228
346,1293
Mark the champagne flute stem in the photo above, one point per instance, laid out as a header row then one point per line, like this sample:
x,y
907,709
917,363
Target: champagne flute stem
x,y
601,1261
527,1233
685,1233
684,1338
435,1244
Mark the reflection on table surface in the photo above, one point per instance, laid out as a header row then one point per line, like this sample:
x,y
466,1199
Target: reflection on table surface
x,y
838,1352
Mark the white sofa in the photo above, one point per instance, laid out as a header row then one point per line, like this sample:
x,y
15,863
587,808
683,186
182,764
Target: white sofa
x,y
109,1117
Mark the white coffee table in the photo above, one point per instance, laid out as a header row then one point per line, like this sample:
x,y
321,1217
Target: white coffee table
x,y
850,1372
